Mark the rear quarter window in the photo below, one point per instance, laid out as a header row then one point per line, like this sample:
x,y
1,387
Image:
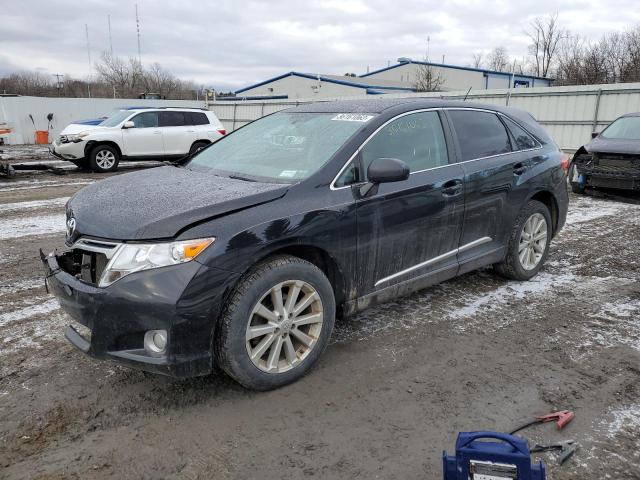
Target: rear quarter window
x,y
197,118
523,141
480,134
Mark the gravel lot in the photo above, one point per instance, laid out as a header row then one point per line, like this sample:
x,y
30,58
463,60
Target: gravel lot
x,y
391,392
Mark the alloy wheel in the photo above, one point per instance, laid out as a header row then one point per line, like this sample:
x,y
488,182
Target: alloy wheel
x,y
105,159
284,326
533,241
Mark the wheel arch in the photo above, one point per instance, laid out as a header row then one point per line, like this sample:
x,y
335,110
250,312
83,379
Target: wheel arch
x,y
548,199
91,144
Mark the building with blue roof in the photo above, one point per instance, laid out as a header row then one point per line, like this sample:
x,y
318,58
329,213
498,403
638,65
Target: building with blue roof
x,y
398,78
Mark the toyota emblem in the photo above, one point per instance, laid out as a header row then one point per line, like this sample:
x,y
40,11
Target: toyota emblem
x,y
71,227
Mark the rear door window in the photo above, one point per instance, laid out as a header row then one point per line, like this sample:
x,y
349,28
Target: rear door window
x,y
171,119
197,118
480,134
523,141
416,139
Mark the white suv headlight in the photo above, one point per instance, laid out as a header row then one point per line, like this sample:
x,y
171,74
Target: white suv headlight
x,y
77,137
134,257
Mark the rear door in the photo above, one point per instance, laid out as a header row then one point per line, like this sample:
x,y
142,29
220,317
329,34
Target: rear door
x,y
494,188
145,139
411,228
177,133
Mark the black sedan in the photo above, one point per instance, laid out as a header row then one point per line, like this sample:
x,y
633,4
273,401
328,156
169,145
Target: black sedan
x,y
245,255
611,159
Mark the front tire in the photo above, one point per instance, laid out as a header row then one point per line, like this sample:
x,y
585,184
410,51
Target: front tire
x,y
103,159
529,241
276,323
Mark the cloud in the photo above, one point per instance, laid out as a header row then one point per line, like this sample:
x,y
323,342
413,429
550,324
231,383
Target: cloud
x,y
228,44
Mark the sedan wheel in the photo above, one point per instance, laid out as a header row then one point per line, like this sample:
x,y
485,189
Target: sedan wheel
x,y
284,326
533,241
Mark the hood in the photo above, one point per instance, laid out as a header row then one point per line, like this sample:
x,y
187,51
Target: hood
x,y
612,145
90,121
159,202
77,128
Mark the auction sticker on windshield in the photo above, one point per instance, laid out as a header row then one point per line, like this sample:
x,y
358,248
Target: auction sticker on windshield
x,y
352,117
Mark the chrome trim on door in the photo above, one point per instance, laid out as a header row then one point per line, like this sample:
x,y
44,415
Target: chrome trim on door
x,y
433,260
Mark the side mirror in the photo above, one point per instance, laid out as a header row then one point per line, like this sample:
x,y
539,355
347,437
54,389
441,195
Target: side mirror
x,y
594,134
128,124
385,170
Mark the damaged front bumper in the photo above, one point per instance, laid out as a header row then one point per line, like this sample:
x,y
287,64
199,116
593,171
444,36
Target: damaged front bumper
x,y
110,323
608,171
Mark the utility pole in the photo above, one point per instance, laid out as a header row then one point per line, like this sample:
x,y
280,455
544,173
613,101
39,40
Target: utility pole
x,y
110,39
86,31
138,31
59,83
428,42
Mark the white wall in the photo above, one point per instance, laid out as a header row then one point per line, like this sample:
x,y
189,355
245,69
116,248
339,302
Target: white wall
x,y
301,87
15,112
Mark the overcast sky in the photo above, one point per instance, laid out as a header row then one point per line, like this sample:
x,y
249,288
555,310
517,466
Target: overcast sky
x,y
230,44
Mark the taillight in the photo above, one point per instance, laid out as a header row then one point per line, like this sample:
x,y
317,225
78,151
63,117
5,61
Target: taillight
x,y
564,163
222,131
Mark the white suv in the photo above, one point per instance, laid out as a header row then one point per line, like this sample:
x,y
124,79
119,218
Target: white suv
x,y
139,134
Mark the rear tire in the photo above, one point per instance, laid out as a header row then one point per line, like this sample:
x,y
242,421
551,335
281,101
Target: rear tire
x,y
196,147
262,341
573,177
103,159
529,241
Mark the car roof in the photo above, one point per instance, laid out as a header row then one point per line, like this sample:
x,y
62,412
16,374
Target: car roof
x,y
142,109
400,105
379,105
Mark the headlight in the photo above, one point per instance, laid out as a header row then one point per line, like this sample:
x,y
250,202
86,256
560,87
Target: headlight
x,y
134,257
77,137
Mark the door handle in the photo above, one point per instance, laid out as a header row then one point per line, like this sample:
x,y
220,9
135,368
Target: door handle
x,y
452,188
191,131
519,168
157,132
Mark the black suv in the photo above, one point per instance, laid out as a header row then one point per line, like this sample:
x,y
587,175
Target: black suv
x,y
246,253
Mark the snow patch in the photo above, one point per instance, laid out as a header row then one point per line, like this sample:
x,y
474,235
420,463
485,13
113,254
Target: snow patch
x,y
542,283
36,225
586,209
28,312
33,205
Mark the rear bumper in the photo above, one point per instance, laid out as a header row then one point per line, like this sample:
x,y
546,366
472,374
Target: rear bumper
x,y
109,323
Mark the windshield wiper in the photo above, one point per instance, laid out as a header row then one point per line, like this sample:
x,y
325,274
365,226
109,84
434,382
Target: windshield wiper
x,y
238,177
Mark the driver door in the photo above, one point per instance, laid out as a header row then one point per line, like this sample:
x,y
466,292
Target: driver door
x,y
145,139
410,229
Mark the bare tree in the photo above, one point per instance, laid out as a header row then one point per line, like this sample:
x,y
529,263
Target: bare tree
x,y
498,59
158,80
545,35
428,79
477,59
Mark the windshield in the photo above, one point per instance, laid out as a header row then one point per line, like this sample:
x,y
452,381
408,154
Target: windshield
x,y
625,128
116,119
284,147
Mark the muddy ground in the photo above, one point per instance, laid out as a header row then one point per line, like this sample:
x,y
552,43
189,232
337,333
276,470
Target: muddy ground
x,y
391,392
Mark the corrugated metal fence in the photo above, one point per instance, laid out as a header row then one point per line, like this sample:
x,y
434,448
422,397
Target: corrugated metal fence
x,y
569,114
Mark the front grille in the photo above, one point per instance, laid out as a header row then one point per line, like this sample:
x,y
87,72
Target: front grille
x,y
88,258
615,165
